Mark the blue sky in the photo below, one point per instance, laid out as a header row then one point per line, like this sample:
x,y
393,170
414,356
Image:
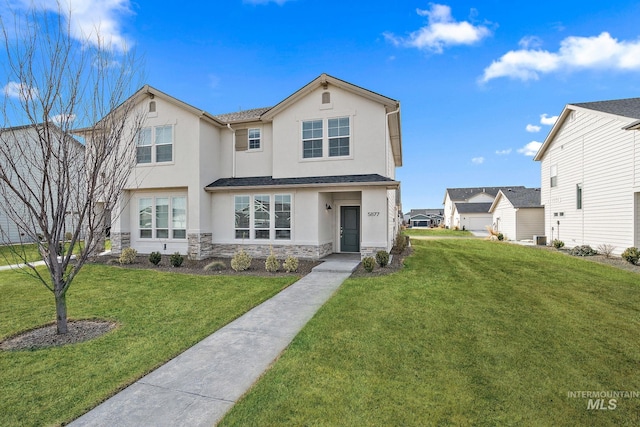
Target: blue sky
x,y
480,82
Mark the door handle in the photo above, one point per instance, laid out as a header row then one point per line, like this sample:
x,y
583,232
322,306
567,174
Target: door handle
x,y
341,231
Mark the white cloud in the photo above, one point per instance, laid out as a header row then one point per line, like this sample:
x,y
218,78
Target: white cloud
x,y
575,53
530,42
503,152
19,90
546,120
477,160
530,149
91,20
533,128
63,118
441,31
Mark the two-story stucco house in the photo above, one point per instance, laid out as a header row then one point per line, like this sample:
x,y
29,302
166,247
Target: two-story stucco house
x,y
590,168
468,208
310,176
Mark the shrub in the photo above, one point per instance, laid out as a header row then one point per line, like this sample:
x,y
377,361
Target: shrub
x,y
271,264
241,261
128,256
176,259
500,236
584,250
155,258
290,264
606,250
631,255
215,266
68,236
368,263
382,258
400,243
557,244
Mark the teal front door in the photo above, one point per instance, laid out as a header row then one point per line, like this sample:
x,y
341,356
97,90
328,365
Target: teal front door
x,y
349,229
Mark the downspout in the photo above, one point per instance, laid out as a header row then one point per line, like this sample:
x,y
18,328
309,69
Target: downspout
x,y
233,151
387,136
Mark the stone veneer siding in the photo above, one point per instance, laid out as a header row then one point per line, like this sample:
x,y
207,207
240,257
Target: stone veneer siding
x,y
119,241
262,251
366,251
200,246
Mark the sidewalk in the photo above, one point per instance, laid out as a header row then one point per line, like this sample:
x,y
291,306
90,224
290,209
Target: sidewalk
x,y
199,386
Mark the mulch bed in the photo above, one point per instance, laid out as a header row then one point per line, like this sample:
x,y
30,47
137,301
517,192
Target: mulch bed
x,y
396,263
46,336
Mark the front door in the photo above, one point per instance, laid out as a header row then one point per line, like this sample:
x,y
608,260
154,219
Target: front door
x,y
349,229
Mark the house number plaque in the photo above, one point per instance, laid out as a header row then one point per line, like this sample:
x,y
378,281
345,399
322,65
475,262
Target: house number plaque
x,y
373,213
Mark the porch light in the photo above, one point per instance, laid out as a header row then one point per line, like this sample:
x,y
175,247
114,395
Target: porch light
x,y
327,206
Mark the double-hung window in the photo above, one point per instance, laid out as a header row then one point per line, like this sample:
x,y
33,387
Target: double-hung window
x,y
282,214
162,217
243,216
155,144
339,136
263,217
554,176
254,139
312,139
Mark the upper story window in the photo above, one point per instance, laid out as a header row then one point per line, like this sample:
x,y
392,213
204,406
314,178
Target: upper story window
x,y
336,144
339,137
554,176
312,139
254,139
155,143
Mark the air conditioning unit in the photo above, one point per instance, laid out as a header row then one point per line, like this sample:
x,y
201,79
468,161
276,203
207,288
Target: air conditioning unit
x,y
540,240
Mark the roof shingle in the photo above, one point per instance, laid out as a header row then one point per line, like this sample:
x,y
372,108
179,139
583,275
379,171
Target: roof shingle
x,y
629,107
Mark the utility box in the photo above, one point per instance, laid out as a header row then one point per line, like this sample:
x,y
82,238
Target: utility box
x,y
540,240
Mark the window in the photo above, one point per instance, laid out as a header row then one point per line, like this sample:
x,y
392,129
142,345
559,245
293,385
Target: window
x,y
578,196
339,137
162,217
254,139
263,217
143,150
312,139
282,214
261,220
158,139
242,220
554,175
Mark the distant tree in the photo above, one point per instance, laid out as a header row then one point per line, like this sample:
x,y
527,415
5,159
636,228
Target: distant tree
x,y
62,88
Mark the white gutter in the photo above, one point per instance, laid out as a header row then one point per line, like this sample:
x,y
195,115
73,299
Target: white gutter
x,y
233,151
387,136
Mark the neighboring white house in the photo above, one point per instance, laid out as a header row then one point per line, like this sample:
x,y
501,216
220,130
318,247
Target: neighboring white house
x,y
470,217
313,175
518,214
590,168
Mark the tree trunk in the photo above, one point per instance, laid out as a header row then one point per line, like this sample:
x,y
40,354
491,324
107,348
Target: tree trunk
x,y
61,313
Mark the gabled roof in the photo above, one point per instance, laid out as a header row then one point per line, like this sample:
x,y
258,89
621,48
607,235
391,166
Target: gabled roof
x,y
414,212
470,208
519,198
224,184
462,194
624,109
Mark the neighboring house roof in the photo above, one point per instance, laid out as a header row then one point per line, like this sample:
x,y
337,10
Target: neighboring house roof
x,y
471,208
519,198
224,184
243,116
414,212
628,109
462,194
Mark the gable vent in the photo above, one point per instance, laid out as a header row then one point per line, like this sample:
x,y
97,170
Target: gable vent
x,y
326,97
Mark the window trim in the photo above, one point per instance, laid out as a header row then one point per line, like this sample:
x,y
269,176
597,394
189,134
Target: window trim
x,y
579,196
553,176
154,145
153,198
250,140
250,233
325,139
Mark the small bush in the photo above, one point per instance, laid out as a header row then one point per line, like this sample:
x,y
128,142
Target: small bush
x,y
271,264
382,258
68,236
631,255
241,261
215,266
155,258
584,250
368,263
557,244
290,264
400,243
128,256
500,236
606,250
176,259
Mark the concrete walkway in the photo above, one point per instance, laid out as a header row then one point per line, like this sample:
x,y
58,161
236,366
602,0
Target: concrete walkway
x,y
199,386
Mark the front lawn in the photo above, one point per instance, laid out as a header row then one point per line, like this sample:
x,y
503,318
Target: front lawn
x,y
15,254
159,315
438,232
471,332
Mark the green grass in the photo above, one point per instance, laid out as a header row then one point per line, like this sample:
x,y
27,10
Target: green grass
x,y
471,332
15,254
159,315
440,232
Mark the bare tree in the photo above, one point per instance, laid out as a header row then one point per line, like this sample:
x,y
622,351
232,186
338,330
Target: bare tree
x,y
64,90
